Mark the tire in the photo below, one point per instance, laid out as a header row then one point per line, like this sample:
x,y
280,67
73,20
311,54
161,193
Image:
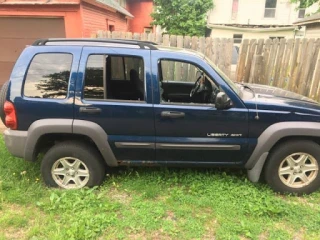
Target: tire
x,y
293,167
75,165
3,95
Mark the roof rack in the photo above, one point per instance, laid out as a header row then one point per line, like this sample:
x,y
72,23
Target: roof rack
x,y
141,44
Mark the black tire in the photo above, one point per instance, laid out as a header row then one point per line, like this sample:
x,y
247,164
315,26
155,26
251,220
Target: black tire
x,y
3,95
88,155
277,159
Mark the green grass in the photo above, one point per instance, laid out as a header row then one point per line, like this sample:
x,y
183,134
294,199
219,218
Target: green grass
x,y
151,203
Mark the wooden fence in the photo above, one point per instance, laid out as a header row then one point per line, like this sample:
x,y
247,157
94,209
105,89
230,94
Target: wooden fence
x,y
292,64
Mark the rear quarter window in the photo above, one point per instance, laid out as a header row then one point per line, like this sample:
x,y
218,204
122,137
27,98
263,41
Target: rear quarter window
x,y
48,76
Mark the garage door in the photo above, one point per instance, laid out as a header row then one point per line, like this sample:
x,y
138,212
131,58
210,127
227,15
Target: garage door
x,y
17,32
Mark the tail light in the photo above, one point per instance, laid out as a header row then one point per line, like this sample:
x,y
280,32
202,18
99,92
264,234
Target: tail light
x,y
11,117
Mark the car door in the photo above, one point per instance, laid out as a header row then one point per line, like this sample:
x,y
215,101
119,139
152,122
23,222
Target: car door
x,y
106,95
189,133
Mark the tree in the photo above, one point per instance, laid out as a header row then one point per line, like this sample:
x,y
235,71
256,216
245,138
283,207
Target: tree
x,y
182,17
306,3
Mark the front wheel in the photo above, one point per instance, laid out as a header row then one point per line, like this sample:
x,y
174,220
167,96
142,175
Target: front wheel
x,y
72,165
293,167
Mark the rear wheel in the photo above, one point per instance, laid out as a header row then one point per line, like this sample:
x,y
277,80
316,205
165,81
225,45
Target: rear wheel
x,y
3,94
293,167
72,165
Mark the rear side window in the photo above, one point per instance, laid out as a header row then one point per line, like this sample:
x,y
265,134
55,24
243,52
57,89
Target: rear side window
x,y
48,76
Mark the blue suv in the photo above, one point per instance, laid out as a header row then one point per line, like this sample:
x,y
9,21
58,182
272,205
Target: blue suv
x,y
92,104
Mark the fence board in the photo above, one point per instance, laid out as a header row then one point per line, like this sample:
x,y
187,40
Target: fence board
x,y
278,63
305,83
284,75
294,65
242,60
253,45
316,79
266,55
273,53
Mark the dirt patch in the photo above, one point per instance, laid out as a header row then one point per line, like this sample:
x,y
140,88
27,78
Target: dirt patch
x,y
120,196
2,127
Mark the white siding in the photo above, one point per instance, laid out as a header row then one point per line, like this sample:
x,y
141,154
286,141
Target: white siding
x,y
252,12
226,33
313,30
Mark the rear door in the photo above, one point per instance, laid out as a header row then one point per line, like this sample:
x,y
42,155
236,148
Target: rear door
x,y
112,92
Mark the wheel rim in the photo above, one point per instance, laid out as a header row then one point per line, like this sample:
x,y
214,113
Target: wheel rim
x,y
70,173
298,170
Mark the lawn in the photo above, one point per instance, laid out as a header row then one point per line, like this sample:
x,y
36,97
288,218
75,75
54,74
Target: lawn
x,y
151,203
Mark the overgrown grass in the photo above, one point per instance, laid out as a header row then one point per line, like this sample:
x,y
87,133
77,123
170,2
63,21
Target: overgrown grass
x,y
151,203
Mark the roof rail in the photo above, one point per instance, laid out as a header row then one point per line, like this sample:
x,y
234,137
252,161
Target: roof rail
x,y
141,44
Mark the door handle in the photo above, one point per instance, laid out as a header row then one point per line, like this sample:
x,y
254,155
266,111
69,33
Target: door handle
x,y
90,110
172,114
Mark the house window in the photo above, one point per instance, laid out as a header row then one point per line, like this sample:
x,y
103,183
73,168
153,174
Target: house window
x,y
270,9
279,38
147,30
237,38
112,28
301,13
235,5
122,3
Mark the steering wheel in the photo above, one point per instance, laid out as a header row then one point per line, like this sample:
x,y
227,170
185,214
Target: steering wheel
x,y
196,86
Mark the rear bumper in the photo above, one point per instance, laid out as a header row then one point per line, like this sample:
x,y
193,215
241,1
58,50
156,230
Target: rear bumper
x,y
16,142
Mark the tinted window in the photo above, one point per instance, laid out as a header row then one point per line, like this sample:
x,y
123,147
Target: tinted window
x,y
114,77
94,77
48,76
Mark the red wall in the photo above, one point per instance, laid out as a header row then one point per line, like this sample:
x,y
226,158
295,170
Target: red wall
x,y
141,10
95,18
70,13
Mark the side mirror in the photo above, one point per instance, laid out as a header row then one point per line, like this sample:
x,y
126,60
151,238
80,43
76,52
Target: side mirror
x,y
222,101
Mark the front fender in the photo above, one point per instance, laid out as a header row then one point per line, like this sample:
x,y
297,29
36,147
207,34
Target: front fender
x,y
271,136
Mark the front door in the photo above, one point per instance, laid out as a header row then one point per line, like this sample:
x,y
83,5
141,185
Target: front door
x,y
191,130
112,93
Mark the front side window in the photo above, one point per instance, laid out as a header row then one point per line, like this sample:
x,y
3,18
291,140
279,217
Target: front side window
x,y
270,9
114,77
48,76
185,83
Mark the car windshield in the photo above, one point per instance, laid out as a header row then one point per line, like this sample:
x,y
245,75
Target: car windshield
x,y
224,76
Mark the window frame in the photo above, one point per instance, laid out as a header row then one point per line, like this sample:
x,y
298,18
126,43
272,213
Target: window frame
x,y
27,71
269,8
105,79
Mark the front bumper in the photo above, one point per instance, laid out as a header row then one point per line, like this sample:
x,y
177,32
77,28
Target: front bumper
x,y
16,142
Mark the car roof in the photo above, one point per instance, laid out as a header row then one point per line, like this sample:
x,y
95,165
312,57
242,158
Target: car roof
x,y
121,43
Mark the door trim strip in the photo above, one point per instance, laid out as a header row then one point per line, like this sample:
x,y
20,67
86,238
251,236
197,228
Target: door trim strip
x,y
134,145
197,146
177,146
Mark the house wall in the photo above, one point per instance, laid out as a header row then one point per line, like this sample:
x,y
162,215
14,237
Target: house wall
x,y
141,10
313,30
95,18
70,13
228,33
252,12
